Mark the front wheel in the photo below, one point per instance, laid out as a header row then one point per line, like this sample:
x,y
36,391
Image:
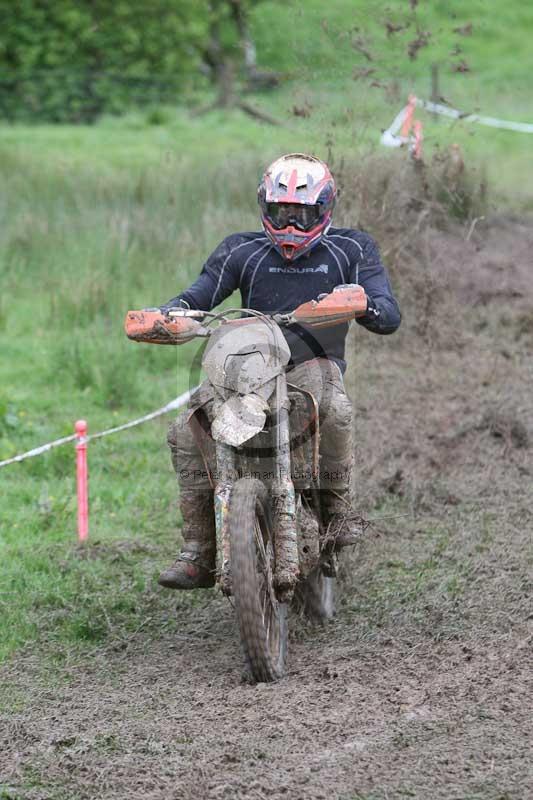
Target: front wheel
x,y
261,618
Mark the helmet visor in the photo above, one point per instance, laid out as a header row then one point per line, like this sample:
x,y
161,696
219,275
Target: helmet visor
x,y
301,216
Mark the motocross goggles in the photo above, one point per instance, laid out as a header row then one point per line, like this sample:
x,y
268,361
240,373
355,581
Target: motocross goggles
x,y
303,217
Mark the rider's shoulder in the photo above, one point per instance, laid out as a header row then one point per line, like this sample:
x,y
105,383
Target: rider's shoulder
x,y
241,239
359,238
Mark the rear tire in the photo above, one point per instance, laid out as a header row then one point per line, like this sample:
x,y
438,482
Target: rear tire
x,y
315,597
261,618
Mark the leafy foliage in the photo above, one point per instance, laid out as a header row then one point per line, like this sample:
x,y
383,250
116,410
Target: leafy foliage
x,y
69,62
65,62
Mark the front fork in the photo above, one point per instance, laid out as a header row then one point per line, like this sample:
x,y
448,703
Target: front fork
x,y
227,474
284,499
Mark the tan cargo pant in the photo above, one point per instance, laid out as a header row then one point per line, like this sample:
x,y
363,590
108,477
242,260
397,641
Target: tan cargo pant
x,y
324,380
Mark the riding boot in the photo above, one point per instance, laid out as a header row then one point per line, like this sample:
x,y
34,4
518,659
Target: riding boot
x,y
194,568
342,526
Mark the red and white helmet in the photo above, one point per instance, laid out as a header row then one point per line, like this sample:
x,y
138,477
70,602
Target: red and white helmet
x,y
297,195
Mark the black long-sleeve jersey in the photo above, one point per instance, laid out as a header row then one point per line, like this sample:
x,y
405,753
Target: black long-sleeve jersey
x,y
268,283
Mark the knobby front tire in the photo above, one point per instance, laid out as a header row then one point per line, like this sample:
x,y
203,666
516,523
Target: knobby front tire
x,y
262,620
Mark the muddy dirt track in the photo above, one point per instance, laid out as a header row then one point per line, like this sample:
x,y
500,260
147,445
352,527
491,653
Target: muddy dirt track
x,y
422,685
382,717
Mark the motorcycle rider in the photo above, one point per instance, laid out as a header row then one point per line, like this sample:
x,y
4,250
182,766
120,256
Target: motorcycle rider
x,y
297,257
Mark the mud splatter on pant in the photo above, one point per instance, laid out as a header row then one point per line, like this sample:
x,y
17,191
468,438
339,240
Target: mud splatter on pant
x,y
323,379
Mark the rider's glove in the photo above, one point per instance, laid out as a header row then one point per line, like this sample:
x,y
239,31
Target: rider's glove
x,y
372,311
174,303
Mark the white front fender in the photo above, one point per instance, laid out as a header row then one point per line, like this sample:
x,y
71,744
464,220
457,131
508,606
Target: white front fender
x,y
239,419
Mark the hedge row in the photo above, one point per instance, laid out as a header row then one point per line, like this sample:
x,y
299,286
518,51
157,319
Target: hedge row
x,y
63,61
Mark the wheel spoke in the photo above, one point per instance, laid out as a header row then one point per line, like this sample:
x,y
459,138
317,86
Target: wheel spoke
x,y
269,604
269,620
260,543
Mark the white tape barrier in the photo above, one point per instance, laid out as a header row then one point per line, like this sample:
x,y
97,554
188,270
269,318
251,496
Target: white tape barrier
x,y
390,137
492,122
174,404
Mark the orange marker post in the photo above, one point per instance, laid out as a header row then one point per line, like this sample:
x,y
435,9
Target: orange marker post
x,y
407,124
82,479
419,138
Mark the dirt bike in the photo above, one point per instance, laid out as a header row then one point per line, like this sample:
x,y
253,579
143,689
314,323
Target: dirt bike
x,y
263,434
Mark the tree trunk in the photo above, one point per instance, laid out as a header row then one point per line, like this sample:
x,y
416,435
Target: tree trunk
x,y
222,64
225,81
245,39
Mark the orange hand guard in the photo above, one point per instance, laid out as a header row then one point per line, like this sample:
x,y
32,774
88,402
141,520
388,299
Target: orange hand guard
x,y
341,306
155,328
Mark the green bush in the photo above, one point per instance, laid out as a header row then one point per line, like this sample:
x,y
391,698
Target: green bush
x,y
71,62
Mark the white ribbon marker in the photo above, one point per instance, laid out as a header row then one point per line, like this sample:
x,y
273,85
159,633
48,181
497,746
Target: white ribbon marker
x,y
390,137
178,402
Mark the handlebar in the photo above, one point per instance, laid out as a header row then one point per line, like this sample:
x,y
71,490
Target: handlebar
x,y
180,325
